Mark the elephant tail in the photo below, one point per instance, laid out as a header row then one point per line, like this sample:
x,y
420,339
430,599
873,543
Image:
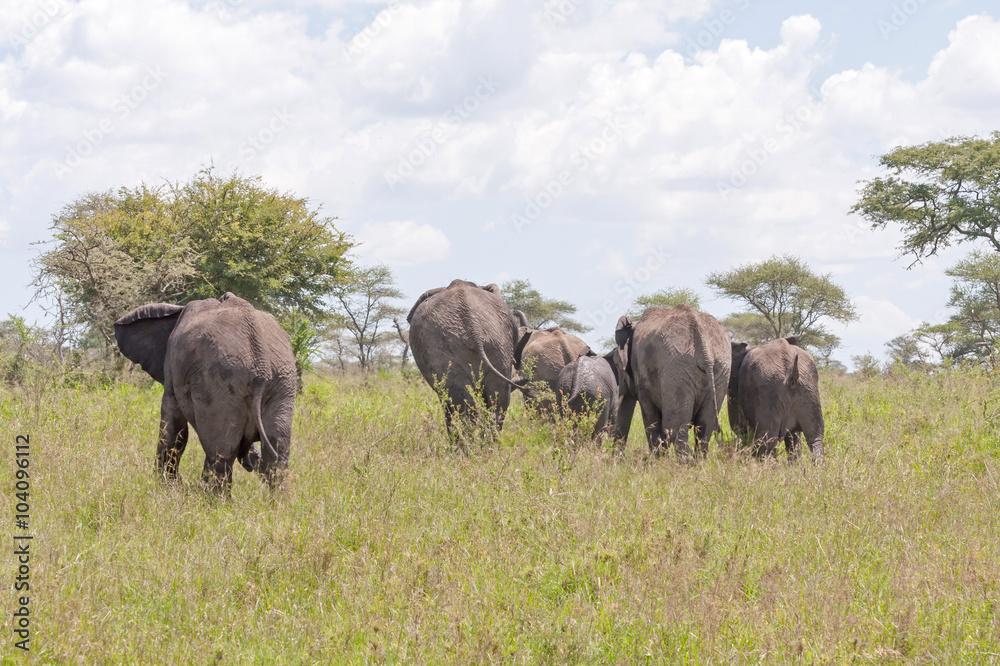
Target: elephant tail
x,y
258,397
486,361
575,390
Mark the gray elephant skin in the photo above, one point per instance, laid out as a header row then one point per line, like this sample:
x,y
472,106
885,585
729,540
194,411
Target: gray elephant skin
x,y
774,395
461,334
675,363
540,355
590,382
228,371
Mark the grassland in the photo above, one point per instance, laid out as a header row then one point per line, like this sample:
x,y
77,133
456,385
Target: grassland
x,y
386,545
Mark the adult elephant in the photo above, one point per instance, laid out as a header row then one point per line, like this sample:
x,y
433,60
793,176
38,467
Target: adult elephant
x,y
540,355
675,363
774,395
227,369
462,337
590,383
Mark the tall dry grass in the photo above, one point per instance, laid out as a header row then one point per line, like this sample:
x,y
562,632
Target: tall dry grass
x,y
387,545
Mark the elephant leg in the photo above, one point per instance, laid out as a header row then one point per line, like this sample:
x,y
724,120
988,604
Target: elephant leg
x,y
278,427
652,421
706,424
218,474
814,440
676,422
793,444
173,437
623,419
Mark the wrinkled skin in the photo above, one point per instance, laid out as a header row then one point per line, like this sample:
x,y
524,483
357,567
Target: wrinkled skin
x,y
774,395
546,352
465,333
675,364
228,371
590,382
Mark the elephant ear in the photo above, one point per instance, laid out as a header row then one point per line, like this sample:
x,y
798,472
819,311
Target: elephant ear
x,y
142,335
739,348
493,288
521,318
623,331
792,340
623,340
586,351
524,334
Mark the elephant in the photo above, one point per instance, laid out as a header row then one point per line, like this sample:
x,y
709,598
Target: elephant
x,y
540,355
459,335
228,370
774,395
675,363
590,382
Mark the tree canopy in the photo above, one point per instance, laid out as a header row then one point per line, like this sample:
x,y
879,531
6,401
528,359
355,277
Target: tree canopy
x,y
117,249
666,298
940,192
540,311
365,311
784,297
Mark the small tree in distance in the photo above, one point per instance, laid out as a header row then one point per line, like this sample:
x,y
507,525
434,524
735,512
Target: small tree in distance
x,y
365,310
540,311
784,297
665,298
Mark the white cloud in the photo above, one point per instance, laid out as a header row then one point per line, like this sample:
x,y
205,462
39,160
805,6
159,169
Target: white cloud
x,y
405,243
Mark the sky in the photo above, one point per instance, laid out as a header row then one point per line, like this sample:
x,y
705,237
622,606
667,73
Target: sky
x,y
601,149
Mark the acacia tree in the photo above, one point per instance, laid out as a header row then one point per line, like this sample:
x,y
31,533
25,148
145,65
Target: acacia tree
x,y
365,310
669,298
538,310
114,250
940,192
784,297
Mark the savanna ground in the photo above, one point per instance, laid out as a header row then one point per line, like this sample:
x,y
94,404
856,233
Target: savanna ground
x,y
386,545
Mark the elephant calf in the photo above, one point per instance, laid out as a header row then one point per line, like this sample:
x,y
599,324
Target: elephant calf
x,y
546,352
590,382
227,369
774,395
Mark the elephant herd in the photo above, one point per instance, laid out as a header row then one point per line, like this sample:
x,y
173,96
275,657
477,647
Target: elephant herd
x,y
677,363
229,372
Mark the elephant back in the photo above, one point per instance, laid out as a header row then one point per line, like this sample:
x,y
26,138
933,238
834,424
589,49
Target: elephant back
x,y
449,326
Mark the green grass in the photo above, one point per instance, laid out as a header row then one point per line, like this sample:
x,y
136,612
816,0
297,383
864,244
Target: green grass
x,y
386,545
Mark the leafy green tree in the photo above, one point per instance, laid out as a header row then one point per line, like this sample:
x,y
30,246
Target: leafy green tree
x,y
540,311
783,293
665,298
907,350
365,310
866,365
114,250
940,192
975,295
268,247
